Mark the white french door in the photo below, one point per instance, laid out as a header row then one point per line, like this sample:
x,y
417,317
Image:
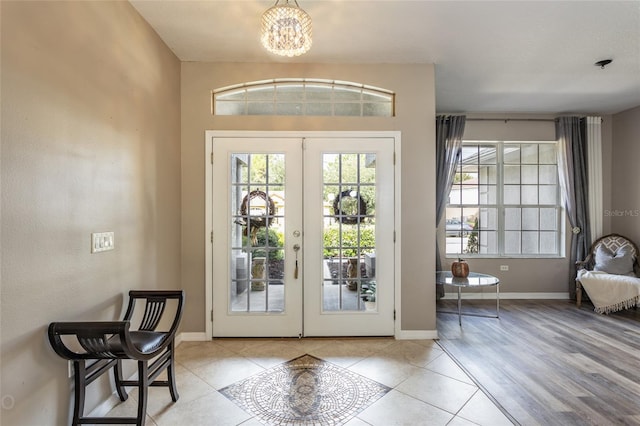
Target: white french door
x,y
303,236
349,248
255,288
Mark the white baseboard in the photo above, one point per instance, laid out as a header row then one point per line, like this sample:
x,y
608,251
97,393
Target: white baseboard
x,y
512,296
403,335
417,335
191,337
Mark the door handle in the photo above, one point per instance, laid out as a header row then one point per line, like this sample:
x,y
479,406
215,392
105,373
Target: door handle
x,y
296,248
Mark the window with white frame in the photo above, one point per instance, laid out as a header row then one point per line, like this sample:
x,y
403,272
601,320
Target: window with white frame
x,y
505,201
310,97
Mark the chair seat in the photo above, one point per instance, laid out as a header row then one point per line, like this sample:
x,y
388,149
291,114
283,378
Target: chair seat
x,y
144,341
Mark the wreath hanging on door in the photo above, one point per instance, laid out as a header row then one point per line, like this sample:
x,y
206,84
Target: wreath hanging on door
x,y
346,215
252,221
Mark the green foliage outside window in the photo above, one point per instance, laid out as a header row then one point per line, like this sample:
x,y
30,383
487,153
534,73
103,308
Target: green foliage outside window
x,y
473,245
349,240
276,241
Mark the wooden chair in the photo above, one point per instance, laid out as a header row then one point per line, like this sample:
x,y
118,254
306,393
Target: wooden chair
x,y
105,344
613,242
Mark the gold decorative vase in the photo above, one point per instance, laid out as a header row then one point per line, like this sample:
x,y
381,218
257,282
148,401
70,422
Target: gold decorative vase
x,y
258,273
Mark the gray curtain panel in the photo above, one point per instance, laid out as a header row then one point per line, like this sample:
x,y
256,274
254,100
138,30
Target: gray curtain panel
x,y
449,132
572,165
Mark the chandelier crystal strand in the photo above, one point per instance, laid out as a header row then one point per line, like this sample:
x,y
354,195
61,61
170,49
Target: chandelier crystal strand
x,y
286,29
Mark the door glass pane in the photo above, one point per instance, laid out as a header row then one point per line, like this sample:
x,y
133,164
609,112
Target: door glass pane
x,y
349,226
257,233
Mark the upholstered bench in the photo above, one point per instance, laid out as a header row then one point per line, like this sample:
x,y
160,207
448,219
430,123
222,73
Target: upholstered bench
x,y
97,347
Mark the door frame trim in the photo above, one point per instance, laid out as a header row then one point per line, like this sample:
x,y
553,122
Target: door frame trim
x,y
208,156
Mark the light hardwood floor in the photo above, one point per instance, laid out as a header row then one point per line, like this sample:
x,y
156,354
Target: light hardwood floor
x,y
548,362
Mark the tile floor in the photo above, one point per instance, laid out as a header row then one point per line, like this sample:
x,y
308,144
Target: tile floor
x,y
428,388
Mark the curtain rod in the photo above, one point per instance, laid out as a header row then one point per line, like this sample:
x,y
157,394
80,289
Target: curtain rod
x,y
512,119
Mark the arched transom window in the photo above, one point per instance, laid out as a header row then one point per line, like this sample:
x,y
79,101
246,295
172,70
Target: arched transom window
x,y
304,97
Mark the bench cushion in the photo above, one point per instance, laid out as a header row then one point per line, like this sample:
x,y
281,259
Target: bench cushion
x,y
144,341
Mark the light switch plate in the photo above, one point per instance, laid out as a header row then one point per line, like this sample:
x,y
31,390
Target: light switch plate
x,y
102,241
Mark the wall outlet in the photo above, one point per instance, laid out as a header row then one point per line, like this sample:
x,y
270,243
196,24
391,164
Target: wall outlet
x,y
102,241
504,267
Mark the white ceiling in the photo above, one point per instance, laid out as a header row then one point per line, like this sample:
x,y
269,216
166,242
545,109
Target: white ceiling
x,y
489,56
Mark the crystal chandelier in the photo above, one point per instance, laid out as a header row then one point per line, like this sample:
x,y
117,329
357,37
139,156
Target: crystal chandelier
x,y
286,29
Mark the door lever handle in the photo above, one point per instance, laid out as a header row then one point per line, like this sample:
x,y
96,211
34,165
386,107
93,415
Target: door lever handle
x,y
296,248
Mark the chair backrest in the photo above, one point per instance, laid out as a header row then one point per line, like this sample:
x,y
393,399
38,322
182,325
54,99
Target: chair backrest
x,y
614,242
155,304
112,339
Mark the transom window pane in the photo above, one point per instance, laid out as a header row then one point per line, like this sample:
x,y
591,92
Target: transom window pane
x,y
505,200
304,97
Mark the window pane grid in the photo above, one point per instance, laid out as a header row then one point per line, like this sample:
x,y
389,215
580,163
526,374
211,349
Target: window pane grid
x,y
257,233
304,97
349,186
505,200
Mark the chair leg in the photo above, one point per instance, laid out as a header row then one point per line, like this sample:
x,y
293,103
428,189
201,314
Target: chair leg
x,y
171,375
79,376
117,375
578,294
143,388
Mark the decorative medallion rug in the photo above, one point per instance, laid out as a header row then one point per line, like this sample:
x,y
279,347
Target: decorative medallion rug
x,y
305,391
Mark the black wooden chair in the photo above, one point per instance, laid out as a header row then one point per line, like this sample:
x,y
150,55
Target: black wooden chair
x,y
98,346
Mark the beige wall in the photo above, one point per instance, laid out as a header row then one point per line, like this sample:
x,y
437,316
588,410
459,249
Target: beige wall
x,y
90,143
625,200
607,169
414,88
